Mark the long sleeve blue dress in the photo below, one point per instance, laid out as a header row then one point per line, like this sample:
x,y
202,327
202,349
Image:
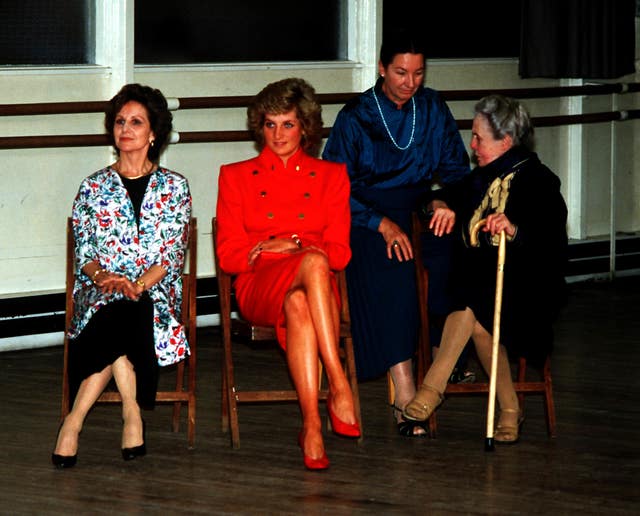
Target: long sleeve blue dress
x,y
392,156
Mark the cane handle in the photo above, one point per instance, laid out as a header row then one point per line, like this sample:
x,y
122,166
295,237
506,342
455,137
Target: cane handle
x,y
473,234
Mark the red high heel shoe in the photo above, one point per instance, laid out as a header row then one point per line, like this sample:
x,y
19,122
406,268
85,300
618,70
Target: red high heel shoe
x,y
339,426
311,463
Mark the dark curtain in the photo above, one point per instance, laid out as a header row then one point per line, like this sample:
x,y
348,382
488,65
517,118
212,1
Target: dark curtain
x,y
589,39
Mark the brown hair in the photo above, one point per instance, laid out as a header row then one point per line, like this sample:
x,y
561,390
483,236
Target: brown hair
x,y
281,97
160,118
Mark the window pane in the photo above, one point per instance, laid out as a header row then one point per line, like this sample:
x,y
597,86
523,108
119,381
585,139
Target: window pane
x,y
39,32
460,29
202,31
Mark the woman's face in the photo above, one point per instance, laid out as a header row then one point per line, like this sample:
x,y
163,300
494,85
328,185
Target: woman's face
x,y
132,129
402,77
485,147
282,134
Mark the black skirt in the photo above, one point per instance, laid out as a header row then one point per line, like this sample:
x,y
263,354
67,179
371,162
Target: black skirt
x,y
120,328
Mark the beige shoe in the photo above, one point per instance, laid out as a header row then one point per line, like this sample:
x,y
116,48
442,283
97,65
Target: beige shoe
x,y
423,404
508,434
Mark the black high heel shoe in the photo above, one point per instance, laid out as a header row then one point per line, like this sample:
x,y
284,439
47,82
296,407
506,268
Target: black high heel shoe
x,y
406,427
63,461
137,451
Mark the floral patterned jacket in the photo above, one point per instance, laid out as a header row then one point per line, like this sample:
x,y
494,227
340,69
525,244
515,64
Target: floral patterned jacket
x,y
105,230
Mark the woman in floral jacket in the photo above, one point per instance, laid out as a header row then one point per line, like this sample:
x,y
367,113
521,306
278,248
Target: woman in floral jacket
x,y
130,223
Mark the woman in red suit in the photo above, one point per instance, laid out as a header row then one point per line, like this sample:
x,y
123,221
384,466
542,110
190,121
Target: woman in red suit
x,y
283,226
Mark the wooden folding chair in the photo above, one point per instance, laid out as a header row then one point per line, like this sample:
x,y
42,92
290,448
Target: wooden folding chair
x,y
182,394
522,386
237,328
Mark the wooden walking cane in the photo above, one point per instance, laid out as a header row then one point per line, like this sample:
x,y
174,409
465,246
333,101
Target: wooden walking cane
x,y
491,408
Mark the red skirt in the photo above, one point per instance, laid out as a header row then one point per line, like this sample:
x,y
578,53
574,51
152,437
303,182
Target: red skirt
x,y
260,293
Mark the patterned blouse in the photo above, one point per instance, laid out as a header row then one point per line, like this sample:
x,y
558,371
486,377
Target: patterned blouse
x,y
105,230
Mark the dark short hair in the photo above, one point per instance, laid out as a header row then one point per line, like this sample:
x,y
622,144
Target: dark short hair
x,y
281,97
160,118
507,116
400,41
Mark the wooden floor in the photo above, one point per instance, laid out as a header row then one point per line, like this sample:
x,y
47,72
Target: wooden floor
x,y
592,467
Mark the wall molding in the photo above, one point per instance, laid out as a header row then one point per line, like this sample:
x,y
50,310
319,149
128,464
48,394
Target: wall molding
x,y
38,320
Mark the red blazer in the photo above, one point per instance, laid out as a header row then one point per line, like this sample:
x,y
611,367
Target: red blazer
x,y
259,198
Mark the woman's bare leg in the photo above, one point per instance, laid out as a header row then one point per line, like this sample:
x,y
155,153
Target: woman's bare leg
x,y
403,382
125,378
88,392
314,278
302,358
405,389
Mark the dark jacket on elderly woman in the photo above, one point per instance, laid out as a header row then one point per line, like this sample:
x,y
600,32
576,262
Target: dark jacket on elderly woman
x,y
534,288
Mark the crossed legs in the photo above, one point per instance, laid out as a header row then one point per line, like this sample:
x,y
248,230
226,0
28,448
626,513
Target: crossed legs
x,y
88,392
313,324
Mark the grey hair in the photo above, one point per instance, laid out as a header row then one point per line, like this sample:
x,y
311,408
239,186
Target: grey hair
x,y
507,117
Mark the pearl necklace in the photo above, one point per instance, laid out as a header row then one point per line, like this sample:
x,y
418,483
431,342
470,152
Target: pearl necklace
x,y
413,124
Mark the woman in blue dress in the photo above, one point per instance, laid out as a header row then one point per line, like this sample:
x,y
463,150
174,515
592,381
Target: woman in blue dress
x,y
396,139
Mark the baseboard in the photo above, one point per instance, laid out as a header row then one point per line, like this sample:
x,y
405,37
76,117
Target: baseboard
x,y
28,320
44,314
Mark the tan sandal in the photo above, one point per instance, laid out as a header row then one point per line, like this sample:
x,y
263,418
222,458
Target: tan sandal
x,y
508,434
420,407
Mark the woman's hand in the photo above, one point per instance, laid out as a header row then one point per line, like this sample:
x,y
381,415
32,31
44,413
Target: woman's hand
x,y
397,241
496,222
443,218
273,245
110,282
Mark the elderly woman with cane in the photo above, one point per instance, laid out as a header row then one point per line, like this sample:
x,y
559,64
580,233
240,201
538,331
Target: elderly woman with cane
x,y
510,191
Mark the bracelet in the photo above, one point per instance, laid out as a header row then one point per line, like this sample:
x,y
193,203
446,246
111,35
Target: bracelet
x,y
94,276
296,240
140,283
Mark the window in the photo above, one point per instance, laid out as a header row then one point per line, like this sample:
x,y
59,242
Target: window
x,y
460,29
201,31
41,32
